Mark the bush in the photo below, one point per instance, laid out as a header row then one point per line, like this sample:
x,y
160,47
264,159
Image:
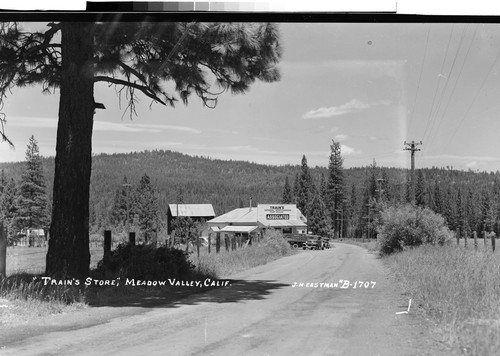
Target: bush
x,y
145,262
275,240
407,225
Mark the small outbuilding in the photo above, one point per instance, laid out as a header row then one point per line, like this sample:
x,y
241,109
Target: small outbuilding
x,y
197,212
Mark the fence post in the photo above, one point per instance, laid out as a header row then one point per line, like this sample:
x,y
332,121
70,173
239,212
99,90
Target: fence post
x,y
107,243
457,234
465,238
131,238
3,251
474,234
493,235
217,242
484,237
209,242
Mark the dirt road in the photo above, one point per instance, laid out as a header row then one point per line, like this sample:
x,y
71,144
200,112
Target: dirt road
x,y
264,311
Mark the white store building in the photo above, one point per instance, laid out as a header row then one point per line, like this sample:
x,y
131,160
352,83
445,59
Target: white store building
x,y
251,221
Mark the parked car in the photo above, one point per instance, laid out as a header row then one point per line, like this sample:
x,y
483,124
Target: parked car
x,y
313,243
296,240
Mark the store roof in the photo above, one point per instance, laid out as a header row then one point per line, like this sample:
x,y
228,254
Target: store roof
x,y
197,210
232,228
241,215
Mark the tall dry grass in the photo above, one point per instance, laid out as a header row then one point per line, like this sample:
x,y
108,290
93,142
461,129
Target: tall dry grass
x,y
459,288
225,263
28,298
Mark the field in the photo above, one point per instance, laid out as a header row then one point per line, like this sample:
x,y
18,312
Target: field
x,y
31,260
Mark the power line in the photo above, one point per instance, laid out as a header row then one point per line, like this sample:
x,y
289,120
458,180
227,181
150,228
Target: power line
x,y
419,79
446,83
473,101
456,82
439,81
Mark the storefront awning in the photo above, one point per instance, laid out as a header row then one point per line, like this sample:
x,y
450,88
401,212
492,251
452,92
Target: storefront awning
x,y
247,229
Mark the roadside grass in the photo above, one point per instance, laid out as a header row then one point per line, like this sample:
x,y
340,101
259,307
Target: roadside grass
x,y
458,288
371,245
225,263
25,297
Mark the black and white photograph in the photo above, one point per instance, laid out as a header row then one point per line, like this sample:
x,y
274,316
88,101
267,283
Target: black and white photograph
x,y
182,178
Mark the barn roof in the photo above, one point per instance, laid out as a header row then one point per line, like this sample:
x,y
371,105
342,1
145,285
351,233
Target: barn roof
x,y
195,210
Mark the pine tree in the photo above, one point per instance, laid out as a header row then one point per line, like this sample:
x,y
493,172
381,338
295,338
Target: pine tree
x,y
123,204
304,194
180,195
287,197
335,186
8,208
296,189
146,208
354,215
420,189
461,211
318,221
3,182
387,195
32,202
490,208
194,59
323,189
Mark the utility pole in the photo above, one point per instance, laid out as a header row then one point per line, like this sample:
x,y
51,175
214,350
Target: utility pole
x,y
412,147
380,190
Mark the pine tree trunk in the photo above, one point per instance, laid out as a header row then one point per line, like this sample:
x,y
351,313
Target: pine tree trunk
x,y
68,255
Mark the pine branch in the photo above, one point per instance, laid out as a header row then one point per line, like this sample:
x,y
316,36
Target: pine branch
x,y
144,89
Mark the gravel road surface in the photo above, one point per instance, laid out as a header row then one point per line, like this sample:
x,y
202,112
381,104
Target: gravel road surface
x,y
311,303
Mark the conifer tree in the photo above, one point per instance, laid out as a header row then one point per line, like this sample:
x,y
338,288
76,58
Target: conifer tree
x,y
296,189
318,221
335,186
123,204
32,202
8,208
146,208
287,197
387,195
3,181
304,194
420,189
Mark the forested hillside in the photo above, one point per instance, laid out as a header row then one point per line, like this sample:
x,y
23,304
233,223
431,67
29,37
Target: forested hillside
x,y
467,199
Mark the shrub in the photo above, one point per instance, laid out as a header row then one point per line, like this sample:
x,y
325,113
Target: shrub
x,y
275,240
407,225
145,262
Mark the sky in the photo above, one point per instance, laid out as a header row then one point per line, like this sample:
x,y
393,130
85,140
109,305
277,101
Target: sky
x,y
369,86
